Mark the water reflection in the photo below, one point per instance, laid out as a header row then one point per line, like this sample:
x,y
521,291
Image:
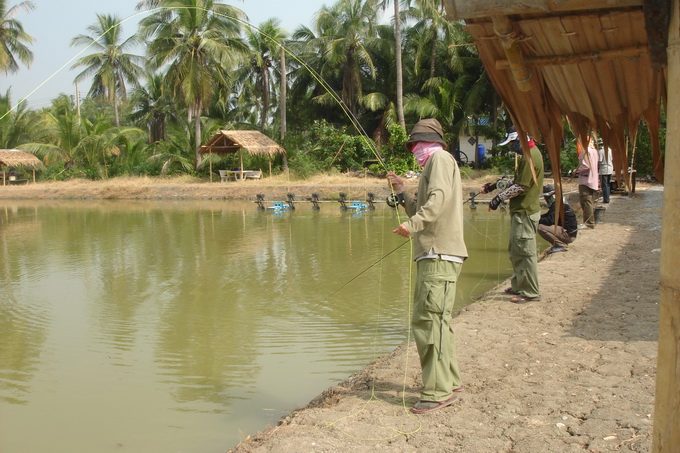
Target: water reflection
x,y
184,325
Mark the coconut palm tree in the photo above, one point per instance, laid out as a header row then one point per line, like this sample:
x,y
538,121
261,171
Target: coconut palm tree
x,y
259,77
109,65
199,43
398,61
15,125
342,33
13,38
153,107
442,101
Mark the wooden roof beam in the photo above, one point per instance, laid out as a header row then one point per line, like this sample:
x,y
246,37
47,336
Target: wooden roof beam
x,y
592,57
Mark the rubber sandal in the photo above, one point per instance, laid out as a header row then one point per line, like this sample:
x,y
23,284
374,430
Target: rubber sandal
x,y
459,389
510,291
523,299
423,407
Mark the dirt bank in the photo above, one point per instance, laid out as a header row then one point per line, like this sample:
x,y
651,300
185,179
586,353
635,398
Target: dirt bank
x,y
274,188
574,372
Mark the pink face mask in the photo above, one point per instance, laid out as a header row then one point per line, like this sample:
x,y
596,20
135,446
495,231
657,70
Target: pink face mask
x,y
423,150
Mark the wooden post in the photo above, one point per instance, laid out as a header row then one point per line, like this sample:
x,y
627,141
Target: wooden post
x,y
666,431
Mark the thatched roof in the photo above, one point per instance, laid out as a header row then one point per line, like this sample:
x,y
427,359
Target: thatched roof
x,y
17,158
254,142
587,61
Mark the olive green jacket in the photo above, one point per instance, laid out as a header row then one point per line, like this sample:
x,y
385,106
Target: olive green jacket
x,y
436,215
528,201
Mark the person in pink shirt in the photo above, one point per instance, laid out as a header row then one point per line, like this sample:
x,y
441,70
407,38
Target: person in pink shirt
x,y
588,183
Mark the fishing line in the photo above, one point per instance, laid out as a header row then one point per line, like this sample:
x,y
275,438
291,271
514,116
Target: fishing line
x,y
374,396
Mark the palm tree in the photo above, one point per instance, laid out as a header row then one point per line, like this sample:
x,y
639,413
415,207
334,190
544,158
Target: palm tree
x,y
77,142
343,32
398,61
153,107
442,102
13,38
109,65
14,125
265,47
199,42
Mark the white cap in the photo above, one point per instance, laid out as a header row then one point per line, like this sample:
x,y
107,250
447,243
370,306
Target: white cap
x,y
510,136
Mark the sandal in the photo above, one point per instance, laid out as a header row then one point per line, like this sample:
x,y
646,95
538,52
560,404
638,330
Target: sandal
x,y
423,407
509,290
523,299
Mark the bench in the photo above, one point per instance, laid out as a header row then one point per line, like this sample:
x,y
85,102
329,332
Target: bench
x,y
236,175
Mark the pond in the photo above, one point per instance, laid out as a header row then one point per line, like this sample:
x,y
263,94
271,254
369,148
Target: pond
x,y
185,326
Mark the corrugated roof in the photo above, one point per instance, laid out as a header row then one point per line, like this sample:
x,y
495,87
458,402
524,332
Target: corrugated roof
x,y
254,142
17,158
589,65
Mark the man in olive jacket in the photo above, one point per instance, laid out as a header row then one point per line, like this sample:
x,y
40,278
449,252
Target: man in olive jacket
x,y
436,225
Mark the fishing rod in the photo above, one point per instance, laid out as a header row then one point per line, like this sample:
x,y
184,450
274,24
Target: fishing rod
x,y
472,198
369,267
359,275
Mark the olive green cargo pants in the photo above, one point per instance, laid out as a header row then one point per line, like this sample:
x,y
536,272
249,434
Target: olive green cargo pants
x,y
434,295
523,257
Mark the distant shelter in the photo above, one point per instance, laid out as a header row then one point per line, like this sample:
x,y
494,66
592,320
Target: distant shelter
x,y
13,161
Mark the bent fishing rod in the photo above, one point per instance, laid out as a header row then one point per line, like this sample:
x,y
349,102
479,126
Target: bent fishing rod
x,y
359,275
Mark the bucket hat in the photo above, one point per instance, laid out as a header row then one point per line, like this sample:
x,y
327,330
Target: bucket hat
x,y
427,130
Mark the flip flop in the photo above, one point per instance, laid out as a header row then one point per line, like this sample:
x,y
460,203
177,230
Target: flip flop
x,y
423,407
459,389
510,291
523,299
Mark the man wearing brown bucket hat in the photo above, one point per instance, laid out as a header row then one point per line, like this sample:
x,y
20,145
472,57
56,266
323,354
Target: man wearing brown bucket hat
x,y
436,225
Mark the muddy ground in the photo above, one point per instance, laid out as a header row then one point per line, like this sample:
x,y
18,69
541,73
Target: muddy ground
x,y
573,372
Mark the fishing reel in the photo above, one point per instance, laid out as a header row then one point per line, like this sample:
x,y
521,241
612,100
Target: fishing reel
x,y
503,183
394,200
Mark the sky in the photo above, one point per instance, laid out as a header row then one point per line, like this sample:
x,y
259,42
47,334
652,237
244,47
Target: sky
x,y
54,23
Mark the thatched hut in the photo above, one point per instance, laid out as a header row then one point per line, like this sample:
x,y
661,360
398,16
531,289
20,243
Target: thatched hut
x,y
604,65
252,142
14,158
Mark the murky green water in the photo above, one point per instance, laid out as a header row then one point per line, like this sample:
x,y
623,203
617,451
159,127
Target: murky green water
x,y
145,326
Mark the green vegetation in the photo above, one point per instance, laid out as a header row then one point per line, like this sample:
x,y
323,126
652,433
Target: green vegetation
x,y
203,69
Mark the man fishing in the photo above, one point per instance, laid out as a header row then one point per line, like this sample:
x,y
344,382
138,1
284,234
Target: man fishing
x,y
523,195
436,225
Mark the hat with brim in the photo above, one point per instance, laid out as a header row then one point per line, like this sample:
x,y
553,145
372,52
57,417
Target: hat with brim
x,y
509,137
548,190
427,130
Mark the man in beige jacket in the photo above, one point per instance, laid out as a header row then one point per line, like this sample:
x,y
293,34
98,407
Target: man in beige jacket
x,y
436,225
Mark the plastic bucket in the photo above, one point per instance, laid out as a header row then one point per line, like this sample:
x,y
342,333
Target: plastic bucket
x,y
599,214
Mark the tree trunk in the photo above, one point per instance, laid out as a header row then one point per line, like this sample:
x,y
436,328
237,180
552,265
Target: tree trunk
x,y
197,134
284,88
400,76
115,109
265,93
433,51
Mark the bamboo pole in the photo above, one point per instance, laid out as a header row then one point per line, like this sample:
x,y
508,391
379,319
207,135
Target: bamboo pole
x,y
666,431
506,33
